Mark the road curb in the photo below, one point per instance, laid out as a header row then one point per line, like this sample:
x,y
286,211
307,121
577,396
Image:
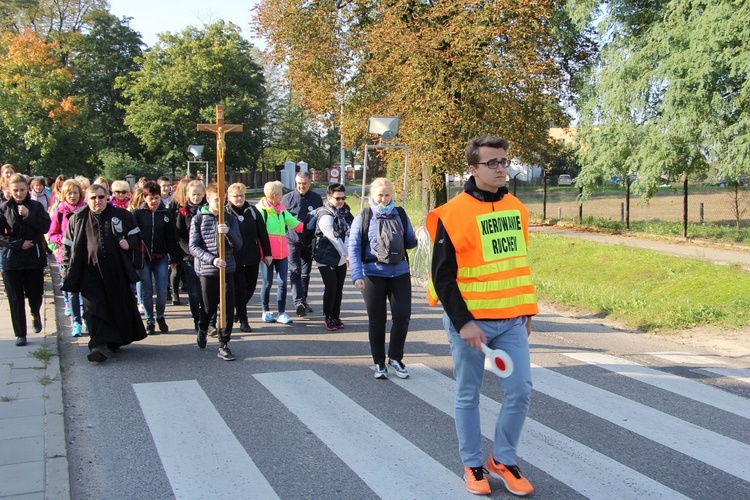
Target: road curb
x,y
57,476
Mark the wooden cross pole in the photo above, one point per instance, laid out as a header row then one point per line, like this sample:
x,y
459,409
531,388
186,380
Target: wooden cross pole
x,y
220,128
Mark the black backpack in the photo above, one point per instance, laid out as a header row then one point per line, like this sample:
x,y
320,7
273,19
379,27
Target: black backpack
x,y
390,237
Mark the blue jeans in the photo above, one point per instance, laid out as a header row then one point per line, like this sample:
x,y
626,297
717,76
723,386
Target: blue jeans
x,y
468,368
281,266
154,278
73,302
194,291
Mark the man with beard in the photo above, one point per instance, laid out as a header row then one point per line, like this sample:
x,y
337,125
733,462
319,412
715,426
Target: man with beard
x,y
97,242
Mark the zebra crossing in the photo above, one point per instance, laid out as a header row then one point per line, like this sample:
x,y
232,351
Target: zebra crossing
x,y
580,440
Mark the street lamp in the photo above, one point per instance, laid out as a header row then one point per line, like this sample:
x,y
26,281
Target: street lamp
x,y
197,151
387,128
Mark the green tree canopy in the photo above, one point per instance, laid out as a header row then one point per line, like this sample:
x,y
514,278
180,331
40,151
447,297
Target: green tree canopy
x,y
451,70
182,79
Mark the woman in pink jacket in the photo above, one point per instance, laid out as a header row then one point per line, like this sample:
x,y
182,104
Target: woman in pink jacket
x,y
72,200
277,219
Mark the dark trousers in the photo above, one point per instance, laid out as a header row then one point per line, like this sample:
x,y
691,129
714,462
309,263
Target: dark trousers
x,y
300,264
245,281
210,290
28,282
333,281
398,293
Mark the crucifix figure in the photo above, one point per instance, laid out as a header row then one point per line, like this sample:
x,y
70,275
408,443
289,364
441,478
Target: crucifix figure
x,y
220,129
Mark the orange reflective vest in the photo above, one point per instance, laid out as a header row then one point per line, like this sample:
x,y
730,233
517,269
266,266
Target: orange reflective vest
x,y
490,240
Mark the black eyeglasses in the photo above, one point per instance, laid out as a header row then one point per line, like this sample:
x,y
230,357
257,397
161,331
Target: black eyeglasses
x,y
339,198
494,163
97,197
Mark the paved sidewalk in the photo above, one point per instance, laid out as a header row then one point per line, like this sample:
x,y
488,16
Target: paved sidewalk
x,y
33,455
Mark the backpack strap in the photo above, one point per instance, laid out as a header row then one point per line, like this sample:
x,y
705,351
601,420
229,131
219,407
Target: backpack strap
x,y
367,218
365,232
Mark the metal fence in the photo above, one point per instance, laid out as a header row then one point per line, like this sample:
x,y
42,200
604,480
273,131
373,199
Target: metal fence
x,y
722,206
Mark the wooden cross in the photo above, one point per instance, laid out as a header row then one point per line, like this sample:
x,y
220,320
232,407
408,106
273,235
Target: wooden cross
x,y
220,128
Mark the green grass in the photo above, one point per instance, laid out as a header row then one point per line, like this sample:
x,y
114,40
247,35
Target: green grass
x,y
645,290
42,354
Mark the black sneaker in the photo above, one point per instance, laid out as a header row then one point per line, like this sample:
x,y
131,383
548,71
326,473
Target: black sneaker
x,y
245,326
212,331
301,310
338,323
176,301
308,309
226,354
201,339
162,324
37,321
151,329
20,341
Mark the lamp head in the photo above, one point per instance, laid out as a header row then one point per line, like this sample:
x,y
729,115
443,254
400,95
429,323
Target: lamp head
x,y
385,126
196,150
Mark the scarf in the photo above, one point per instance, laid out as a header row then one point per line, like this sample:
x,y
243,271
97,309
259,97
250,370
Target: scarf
x,y
381,211
342,219
267,206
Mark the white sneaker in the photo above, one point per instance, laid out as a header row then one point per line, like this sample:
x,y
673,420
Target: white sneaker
x,y
268,317
381,371
284,318
399,368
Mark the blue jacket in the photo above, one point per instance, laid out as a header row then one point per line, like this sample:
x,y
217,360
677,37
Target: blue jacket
x,y
357,268
300,206
204,242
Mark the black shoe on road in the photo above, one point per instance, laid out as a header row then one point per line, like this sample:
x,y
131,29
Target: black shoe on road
x,y
37,323
163,327
201,339
21,341
245,326
301,310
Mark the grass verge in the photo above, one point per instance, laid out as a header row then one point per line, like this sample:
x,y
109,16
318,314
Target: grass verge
x,y
645,290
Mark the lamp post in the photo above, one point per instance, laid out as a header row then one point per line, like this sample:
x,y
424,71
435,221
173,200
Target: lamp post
x,y
197,151
387,128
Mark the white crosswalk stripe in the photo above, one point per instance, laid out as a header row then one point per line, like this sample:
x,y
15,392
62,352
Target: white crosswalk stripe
x,y
735,373
201,456
707,446
702,393
196,446
354,433
581,468
687,358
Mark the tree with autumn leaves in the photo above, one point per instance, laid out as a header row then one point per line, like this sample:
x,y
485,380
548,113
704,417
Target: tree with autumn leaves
x,y
38,119
451,70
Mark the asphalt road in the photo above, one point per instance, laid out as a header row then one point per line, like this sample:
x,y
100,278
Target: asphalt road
x,y
614,414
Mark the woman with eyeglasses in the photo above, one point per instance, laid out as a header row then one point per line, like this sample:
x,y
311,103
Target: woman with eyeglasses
x,y
332,223
120,194
97,263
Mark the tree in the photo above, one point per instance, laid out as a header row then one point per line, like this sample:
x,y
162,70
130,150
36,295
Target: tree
x,y
106,51
182,79
49,19
39,129
450,70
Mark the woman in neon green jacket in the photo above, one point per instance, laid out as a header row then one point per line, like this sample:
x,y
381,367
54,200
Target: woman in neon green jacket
x,y
277,219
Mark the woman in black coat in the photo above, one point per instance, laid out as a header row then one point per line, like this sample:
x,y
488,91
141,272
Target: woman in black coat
x,y
254,244
23,223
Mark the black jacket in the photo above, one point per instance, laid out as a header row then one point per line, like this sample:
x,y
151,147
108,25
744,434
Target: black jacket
x,y
183,218
254,234
157,234
75,254
14,230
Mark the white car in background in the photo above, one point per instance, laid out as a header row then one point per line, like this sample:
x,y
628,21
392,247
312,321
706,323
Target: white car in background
x,y
564,180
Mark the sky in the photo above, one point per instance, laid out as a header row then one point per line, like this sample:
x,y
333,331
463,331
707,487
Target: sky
x,y
157,16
